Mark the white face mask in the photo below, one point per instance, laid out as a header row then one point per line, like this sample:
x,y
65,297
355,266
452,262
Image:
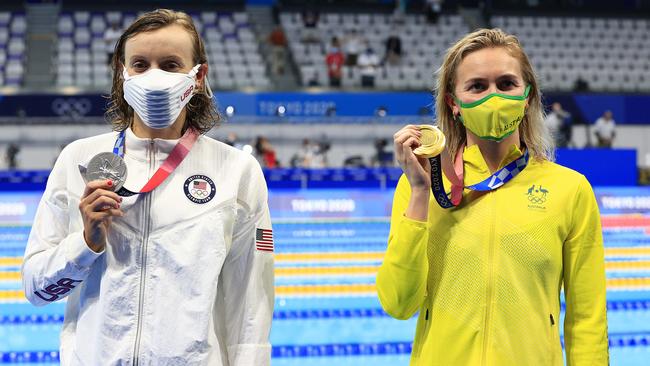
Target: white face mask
x,y
158,96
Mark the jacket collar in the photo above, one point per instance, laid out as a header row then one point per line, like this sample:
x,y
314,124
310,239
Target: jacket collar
x,y
140,148
475,167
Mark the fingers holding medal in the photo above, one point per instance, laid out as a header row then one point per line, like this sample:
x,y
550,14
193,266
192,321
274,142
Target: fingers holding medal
x,y
98,205
414,144
432,142
425,141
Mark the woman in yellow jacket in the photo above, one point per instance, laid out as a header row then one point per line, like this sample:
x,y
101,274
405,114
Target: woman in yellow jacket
x,y
486,272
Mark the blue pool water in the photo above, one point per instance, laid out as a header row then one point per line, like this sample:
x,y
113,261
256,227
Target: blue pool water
x,y
344,326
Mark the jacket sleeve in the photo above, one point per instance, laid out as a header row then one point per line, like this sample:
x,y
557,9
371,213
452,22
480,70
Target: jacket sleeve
x,y
248,278
585,325
402,277
56,260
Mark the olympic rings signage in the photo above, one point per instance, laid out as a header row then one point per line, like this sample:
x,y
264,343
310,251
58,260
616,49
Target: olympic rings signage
x,y
72,107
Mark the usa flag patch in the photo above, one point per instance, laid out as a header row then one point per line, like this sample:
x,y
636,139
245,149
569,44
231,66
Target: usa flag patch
x,y
264,240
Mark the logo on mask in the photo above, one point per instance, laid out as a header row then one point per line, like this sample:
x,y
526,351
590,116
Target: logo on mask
x,y
187,92
508,126
537,196
199,189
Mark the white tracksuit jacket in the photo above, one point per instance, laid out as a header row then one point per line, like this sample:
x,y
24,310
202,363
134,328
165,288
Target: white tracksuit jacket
x,y
181,280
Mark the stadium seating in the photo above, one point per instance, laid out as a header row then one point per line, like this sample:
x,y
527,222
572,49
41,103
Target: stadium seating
x,y
230,42
609,54
12,48
423,46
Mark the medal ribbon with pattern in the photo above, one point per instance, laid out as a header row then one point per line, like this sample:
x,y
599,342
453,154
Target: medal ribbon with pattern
x,y
176,156
496,180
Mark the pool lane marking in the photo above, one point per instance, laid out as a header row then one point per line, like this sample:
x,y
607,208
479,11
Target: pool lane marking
x,y
290,257
292,271
367,269
9,276
328,256
11,261
622,251
613,284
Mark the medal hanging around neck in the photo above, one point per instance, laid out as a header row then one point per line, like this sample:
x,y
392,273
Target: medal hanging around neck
x,y
111,166
432,147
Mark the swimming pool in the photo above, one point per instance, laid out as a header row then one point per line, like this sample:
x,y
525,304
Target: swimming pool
x,y
326,310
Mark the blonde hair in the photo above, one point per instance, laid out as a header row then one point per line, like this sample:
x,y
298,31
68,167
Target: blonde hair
x,y
202,114
532,131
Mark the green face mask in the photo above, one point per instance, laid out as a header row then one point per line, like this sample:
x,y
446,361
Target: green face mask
x,y
495,116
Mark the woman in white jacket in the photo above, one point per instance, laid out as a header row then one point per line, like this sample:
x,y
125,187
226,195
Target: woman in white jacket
x,y
179,272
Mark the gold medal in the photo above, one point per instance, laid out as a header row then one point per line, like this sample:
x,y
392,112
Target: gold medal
x,y
432,142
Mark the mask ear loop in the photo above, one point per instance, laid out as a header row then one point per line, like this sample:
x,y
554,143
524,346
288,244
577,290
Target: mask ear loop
x,y
206,81
208,89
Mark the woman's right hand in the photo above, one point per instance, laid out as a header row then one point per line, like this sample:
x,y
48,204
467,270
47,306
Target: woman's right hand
x,y
98,206
416,169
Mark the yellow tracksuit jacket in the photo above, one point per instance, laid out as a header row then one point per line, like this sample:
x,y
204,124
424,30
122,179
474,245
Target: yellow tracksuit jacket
x,y
486,276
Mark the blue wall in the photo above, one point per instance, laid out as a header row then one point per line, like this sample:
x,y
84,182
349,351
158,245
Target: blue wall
x,y
627,109
602,167
317,104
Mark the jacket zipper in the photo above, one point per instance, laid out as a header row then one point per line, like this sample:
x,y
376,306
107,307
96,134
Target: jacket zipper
x,y
553,340
488,303
143,255
420,332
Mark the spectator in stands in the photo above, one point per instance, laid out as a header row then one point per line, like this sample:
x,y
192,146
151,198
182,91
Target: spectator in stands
x,y
515,230
265,153
111,35
320,157
278,41
304,155
559,124
124,263
382,157
605,130
393,54
311,155
334,61
233,140
352,46
368,63
433,10
581,85
11,155
310,17
314,79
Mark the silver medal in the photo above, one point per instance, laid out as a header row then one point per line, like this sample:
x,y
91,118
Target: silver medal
x,y
107,165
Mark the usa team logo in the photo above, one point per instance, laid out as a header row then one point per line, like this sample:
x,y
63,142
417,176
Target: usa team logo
x,y
199,189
